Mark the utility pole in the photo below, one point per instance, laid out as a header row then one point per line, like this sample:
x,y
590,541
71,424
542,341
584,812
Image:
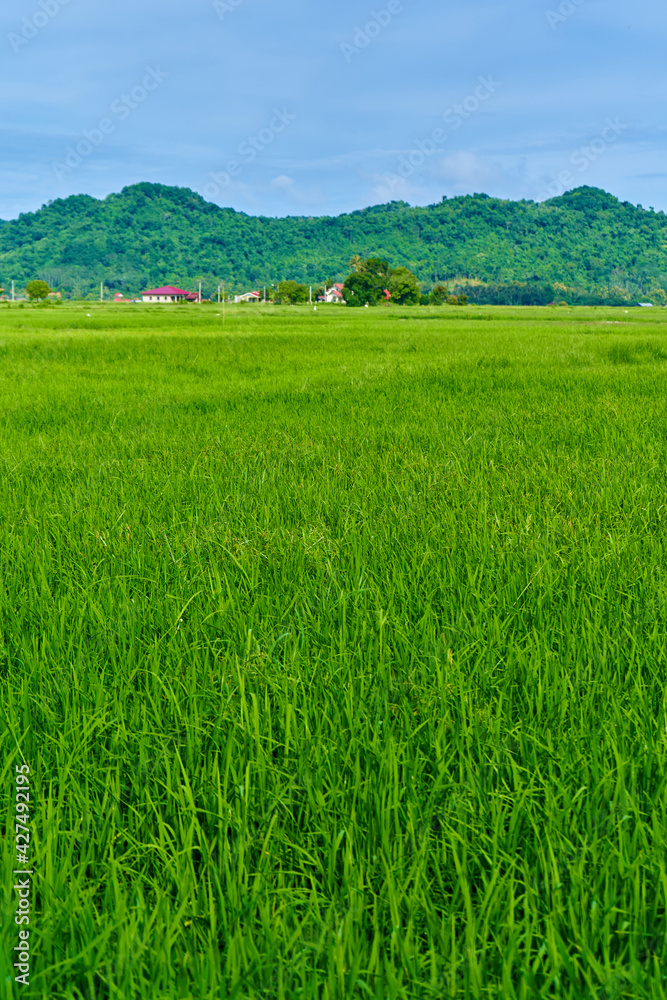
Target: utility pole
x,y
311,295
200,293
12,291
218,294
101,291
223,304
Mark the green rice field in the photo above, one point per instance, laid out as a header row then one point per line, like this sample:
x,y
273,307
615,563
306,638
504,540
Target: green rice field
x,y
335,646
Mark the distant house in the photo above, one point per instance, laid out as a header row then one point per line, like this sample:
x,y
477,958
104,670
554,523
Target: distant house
x,y
169,294
248,297
333,294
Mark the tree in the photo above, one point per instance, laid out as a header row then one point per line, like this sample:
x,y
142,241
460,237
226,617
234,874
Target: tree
x,y
37,289
368,282
404,287
360,289
439,295
375,267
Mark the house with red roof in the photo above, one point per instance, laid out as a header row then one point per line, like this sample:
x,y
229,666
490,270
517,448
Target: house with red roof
x,y
169,294
248,297
333,294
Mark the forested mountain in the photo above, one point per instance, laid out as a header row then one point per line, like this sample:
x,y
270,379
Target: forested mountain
x,y
150,234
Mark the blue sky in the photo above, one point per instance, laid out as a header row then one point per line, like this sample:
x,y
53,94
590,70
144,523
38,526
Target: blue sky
x,y
316,108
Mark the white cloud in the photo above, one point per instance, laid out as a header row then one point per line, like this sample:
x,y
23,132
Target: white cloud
x,y
464,172
283,183
391,187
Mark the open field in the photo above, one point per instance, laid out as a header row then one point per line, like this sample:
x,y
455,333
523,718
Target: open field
x,y
336,645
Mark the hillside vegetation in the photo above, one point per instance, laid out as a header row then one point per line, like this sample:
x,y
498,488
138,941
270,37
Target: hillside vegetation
x,y
149,234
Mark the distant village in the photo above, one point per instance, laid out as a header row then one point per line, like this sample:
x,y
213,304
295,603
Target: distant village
x,y
169,294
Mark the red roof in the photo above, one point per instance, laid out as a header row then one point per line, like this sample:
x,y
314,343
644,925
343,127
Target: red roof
x,y
168,290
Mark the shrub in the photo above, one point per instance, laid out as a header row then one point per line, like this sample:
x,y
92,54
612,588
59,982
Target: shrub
x,y
291,292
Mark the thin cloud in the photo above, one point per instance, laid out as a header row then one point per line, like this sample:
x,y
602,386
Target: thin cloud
x,y
354,121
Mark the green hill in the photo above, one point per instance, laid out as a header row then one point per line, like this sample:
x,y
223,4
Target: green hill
x,y
151,234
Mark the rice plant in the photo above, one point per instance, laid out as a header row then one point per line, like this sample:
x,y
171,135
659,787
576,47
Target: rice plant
x,y
335,645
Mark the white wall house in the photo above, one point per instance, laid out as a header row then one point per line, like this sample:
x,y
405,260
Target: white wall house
x,y
333,294
248,297
168,294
